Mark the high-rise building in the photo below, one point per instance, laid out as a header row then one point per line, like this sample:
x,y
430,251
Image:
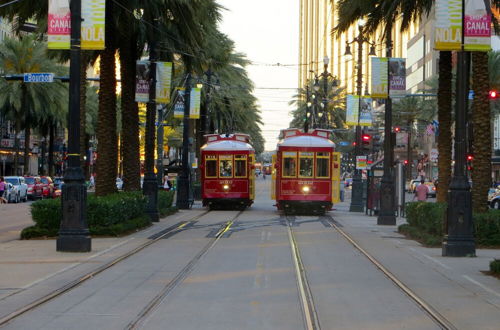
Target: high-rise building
x,y
318,18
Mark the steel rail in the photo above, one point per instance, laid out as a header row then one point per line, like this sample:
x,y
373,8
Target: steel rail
x,y
311,318
71,285
142,317
434,314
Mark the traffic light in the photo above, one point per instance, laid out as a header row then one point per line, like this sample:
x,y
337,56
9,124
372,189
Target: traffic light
x,y
470,159
366,140
377,145
405,162
494,94
397,129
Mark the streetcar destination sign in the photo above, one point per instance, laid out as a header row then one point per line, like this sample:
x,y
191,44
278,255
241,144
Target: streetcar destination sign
x,y
38,77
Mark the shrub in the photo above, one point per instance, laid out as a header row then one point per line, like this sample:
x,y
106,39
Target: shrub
x,y
165,201
487,228
495,266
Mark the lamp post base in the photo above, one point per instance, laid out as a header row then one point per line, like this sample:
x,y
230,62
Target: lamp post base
x,y
458,247
183,193
357,195
76,242
150,190
387,215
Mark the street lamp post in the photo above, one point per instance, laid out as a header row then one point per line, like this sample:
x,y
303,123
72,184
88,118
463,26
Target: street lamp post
x,y
74,233
323,115
387,215
184,178
357,185
308,109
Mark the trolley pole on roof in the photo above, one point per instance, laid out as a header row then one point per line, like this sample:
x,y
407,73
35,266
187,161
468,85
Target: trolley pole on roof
x,y
74,232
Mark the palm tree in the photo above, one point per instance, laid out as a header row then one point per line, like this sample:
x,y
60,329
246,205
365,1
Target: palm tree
x,y
25,103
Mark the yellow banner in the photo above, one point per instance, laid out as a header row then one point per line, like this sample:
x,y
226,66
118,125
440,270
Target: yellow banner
x,y
93,24
163,81
352,111
194,103
380,79
448,30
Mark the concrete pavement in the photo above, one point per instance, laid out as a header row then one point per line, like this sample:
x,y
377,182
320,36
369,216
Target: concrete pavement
x,y
456,287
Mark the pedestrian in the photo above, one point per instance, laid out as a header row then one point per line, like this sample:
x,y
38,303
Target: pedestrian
x,y
3,187
421,191
167,185
92,180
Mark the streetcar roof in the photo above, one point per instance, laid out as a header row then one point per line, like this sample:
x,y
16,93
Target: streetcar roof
x,y
294,137
224,145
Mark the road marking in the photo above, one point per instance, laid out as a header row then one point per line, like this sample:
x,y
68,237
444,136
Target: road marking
x,y
482,286
431,259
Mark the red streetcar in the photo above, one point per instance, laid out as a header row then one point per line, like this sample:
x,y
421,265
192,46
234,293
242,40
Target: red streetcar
x,y
306,176
227,163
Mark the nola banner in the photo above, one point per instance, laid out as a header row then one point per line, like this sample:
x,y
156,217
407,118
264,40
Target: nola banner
x,y
379,83
163,81
475,25
142,81
59,24
397,77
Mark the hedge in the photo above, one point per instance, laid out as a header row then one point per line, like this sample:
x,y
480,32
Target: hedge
x,y
111,215
425,223
495,266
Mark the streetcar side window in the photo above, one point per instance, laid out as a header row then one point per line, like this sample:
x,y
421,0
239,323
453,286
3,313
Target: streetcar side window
x,y
322,164
240,166
225,166
211,166
306,164
289,164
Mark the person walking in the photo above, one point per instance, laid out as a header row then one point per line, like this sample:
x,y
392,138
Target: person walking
x,y
421,191
3,187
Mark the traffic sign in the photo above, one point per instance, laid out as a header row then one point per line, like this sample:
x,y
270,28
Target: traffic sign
x,y
344,143
38,77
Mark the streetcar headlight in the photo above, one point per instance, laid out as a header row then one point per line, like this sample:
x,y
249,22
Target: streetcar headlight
x,y
225,187
305,189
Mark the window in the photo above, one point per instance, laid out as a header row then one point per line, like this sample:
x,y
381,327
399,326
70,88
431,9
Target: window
x,y
289,164
211,166
225,166
322,164
306,164
240,166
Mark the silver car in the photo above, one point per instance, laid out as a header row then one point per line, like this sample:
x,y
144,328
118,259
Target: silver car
x,y
20,188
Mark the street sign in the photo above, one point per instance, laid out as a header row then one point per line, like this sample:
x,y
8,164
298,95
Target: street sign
x,y
361,163
38,77
344,143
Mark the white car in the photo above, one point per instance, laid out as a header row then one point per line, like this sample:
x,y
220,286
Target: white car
x,y
119,183
20,188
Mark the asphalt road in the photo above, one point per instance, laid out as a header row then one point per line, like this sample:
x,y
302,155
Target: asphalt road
x,y
13,218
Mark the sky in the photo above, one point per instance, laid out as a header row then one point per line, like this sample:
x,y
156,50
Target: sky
x,y
267,31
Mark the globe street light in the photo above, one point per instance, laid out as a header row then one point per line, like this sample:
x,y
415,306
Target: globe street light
x,y
357,185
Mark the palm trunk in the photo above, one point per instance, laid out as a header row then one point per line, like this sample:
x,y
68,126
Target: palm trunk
x,y
481,116
51,149
130,119
107,148
444,118
27,137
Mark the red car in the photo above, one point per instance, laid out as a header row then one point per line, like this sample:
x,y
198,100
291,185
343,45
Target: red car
x,y
47,187
35,188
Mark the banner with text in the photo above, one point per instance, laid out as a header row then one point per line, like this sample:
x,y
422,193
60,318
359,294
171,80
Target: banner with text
x,y
477,26
379,83
58,24
448,31
142,81
93,24
163,81
194,103
397,77
365,106
179,103
352,105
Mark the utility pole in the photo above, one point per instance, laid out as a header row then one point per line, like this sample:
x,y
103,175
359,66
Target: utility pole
x,y
150,184
184,179
74,233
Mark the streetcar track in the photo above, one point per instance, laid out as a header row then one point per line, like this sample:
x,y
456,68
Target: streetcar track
x,y
439,319
152,306
309,311
73,284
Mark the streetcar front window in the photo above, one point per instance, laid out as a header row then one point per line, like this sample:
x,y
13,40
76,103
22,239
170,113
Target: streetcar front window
x,y
211,169
240,166
306,164
289,164
225,166
323,165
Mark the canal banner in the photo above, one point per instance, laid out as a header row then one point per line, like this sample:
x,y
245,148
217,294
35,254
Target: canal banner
x,y
397,77
142,81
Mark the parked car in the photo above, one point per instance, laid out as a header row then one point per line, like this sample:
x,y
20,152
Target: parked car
x,y
494,198
119,183
47,187
432,189
58,183
413,185
10,194
20,187
35,189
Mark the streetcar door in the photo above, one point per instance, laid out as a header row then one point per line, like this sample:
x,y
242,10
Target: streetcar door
x,y
251,176
273,178
335,177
